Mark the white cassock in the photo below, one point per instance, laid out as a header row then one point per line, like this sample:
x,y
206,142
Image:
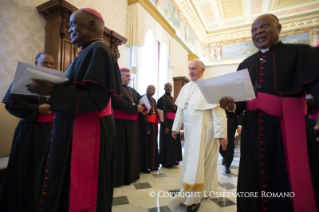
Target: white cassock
x,y
203,124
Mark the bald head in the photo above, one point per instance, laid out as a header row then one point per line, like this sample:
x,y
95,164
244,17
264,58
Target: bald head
x,y
265,31
150,90
85,27
45,60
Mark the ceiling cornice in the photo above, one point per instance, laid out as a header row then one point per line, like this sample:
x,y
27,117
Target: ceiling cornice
x,y
156,14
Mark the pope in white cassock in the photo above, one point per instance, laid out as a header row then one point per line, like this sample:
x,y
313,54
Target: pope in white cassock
x,y
205,128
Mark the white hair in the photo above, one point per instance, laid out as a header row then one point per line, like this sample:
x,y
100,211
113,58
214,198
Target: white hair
x,y
201,63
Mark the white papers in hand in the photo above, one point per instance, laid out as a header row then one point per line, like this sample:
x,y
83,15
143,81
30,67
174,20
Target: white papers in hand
x,y
144,100
236,85
25,72
160,114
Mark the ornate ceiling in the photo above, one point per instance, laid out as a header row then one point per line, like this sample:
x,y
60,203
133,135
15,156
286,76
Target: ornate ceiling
x,y
227,20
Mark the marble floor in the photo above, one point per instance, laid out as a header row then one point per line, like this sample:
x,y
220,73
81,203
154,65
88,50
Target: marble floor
x,y
148,193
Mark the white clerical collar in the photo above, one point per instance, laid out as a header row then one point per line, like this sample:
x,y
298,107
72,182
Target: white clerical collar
x,y
264,50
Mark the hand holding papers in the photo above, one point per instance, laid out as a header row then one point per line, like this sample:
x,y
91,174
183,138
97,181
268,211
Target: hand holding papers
x,y
144,100
235,85
25,72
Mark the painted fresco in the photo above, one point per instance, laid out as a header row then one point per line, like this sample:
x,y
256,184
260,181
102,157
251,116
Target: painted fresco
x,y
177,21
167,9
214,53
190,40
239,51
211,53
297,38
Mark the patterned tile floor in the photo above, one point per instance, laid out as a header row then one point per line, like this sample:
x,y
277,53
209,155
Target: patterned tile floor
x,y
143,194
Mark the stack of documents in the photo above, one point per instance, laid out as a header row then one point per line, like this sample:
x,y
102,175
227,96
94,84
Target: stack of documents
x,y
144,101
25,72
236,85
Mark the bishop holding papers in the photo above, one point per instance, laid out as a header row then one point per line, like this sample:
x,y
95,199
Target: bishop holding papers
x,y
278,149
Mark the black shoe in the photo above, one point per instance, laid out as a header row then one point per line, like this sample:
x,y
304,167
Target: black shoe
x,y
193,207
146,171
223,161
227,170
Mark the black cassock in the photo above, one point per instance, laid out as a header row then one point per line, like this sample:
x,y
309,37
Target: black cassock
x,y
232,125
149,145
93,78
289,70
29,141
127,168
170,148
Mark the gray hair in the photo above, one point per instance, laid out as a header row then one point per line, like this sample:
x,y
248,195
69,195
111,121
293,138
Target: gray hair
x,y
122,70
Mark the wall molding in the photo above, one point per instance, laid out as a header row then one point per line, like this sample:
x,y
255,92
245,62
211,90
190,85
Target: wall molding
x,y
156,14
192,56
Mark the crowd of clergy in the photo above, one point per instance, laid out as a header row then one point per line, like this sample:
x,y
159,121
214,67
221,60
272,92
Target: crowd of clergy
x,y
95,132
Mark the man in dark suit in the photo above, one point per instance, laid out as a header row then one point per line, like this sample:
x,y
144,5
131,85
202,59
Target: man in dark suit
x,y
233,124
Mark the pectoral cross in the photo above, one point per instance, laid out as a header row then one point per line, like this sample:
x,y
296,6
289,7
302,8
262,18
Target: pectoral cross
x,y
257,87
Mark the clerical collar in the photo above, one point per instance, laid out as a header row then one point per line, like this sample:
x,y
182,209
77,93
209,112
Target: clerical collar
x,y
86,44
264,50
276,45
168,94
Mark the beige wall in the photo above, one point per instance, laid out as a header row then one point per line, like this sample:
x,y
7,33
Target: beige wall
x,y
21,38
179,59
114,15
213,71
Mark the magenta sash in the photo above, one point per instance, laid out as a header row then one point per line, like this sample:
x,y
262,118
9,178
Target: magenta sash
x,y
313,114
43,117
292,113
85,160
170,115
118,114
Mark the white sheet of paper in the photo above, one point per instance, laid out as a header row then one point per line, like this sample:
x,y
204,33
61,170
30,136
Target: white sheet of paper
x,y
160,114
25,72
144,100
236,85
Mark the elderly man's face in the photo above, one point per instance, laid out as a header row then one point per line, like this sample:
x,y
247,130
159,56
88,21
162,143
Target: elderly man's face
x,y
45,61
126,78
265,31
79,31
195,70
150,90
